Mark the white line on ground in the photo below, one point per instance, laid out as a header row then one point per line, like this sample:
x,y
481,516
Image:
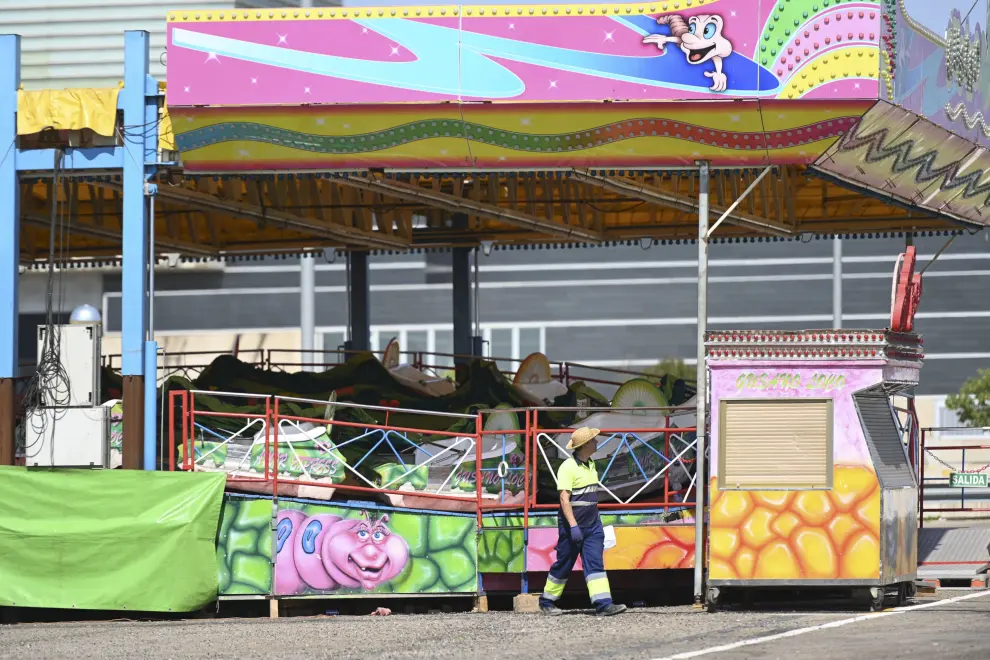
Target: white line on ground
x,y
824,626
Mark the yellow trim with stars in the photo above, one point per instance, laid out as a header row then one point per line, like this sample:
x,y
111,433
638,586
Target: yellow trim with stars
x,y
847,63
431,11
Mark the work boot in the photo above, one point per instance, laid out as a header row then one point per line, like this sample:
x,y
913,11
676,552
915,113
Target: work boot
x,y
611,610
551,610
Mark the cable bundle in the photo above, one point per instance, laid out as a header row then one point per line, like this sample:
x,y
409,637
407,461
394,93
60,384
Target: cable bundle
x,y
49,386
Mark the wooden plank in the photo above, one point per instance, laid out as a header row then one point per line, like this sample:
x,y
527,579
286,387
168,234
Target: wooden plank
x,y
337,215
96,204
751,197
232,190
386,222
312,198
778,197
548,198
405,222
564,204
530,186
577,191
791,195
765,197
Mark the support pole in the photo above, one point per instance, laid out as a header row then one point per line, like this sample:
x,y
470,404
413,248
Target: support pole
x,y
307,308
836,283
359,302
461,300
702,389
10,238
151,406
151,353
138,122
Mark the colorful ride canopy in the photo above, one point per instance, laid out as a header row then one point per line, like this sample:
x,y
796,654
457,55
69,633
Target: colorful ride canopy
x,y
736,82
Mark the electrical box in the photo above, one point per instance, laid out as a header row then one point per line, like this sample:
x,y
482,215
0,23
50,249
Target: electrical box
x,y
67,437
78,347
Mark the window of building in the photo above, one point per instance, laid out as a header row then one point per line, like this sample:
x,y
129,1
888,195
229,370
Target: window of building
x,y
769,444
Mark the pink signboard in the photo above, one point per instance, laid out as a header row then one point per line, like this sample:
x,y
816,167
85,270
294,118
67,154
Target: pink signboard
x,y
676,50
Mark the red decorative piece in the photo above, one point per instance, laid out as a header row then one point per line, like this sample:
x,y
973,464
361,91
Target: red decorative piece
x,y
905,293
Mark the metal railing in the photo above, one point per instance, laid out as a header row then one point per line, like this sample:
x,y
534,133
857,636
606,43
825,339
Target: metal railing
x,y
285,448
192,363
636,460
955,458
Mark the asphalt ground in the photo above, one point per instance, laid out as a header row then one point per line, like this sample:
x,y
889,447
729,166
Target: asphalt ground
x,y
941,626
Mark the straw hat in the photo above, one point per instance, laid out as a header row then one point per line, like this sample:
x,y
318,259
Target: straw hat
x,y
582,436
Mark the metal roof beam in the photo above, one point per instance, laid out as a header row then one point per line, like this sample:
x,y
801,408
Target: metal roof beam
x,y
110,234
662,197
456,204
348,235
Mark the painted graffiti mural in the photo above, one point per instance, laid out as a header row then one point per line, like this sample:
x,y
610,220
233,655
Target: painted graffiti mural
x,y
940,64
737,48
912,160
700,38
321,549
232,74
326,552
811,534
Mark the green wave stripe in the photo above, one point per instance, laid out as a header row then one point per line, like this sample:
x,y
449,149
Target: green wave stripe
x,y
422,130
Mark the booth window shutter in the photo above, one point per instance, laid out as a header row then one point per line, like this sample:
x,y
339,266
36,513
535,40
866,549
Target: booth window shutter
x,y
775,444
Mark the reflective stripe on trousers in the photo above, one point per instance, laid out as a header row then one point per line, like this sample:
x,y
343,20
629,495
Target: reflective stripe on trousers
x,y
590,550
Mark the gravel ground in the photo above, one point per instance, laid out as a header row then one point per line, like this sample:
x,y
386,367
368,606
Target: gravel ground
x,y
948,631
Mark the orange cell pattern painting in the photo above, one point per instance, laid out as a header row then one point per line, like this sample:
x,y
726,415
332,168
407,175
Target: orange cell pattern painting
x,y
798,535
636,548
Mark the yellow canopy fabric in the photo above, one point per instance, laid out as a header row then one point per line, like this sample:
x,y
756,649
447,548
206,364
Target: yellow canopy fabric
x,y
67,109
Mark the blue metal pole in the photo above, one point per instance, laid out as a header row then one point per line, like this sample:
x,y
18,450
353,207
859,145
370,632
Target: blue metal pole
x,y
150,404
10,238
137,124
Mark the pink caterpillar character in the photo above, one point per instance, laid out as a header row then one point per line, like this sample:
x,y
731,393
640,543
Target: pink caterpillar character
x,y
326,552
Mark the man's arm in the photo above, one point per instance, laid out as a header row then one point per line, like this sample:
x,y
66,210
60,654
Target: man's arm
x,y
566,509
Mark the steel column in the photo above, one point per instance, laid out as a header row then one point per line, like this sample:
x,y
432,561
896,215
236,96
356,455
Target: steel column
x,y
836,282
702,389
151,406
10,240
359,301
140,122
307,308
461,300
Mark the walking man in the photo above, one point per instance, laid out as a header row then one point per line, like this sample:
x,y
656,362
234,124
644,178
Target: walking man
x,y
579,528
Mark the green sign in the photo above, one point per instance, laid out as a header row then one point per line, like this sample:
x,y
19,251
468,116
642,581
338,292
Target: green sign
x,y
968,480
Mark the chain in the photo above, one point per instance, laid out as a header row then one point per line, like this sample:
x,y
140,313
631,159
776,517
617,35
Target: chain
x,y
944,464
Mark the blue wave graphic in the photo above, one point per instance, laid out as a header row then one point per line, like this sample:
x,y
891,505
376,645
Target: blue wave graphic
x,y
436,46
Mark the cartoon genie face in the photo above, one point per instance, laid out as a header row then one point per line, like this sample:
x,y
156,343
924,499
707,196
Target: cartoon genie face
x,y
362,553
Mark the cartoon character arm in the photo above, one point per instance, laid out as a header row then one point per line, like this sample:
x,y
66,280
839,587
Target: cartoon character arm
x,y
661,40
719,80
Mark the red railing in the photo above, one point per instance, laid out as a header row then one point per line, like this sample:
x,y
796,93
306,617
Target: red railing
x,y
628,438
505,477
937,489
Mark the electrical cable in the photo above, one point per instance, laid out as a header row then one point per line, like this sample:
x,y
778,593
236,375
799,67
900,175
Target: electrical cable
x,y
48,388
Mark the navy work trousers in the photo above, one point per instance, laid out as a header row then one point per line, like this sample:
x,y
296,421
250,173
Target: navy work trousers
x,y
590,550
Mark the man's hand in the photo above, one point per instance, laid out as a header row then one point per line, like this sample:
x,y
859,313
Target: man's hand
x,y
577,536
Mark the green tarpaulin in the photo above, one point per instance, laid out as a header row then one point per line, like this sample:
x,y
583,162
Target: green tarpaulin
x,y
108,539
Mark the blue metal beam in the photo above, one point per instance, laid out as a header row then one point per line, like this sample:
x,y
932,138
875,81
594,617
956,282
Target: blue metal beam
x,y
10,213
135,240
93,158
